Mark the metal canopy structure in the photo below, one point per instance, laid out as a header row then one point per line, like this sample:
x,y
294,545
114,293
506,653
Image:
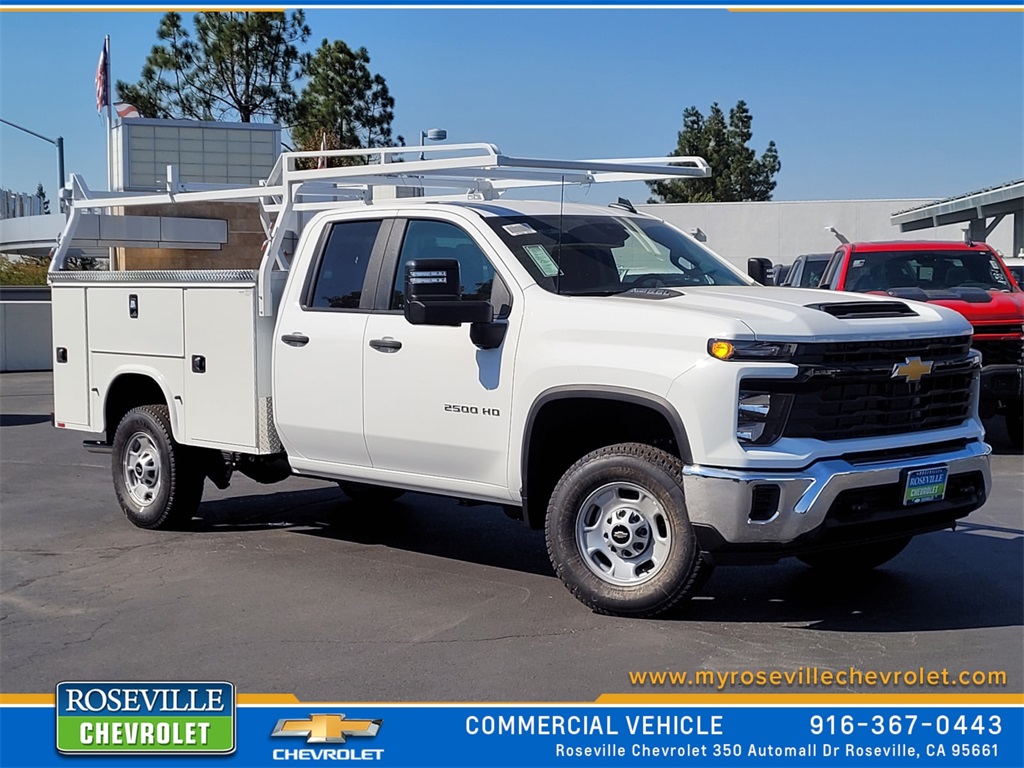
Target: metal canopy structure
x,y
974,208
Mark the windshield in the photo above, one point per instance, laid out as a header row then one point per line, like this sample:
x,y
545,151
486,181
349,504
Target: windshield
x,y
602,255
927,270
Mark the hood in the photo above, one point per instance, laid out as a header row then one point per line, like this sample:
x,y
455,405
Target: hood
x,y
801,314
976,304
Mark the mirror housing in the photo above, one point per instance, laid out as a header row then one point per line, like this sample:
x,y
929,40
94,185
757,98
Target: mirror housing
x,y
759,269
433,295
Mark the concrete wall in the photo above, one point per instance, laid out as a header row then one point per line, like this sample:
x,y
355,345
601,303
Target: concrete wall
x,y
25,329
781,231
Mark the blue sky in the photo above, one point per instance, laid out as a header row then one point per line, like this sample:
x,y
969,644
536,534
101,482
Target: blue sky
x,y
860,105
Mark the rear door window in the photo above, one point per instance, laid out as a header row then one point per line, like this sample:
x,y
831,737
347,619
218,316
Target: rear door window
x,y
341,273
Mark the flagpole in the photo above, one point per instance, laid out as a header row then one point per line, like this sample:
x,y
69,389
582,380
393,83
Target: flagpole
x,y
112,252
110,127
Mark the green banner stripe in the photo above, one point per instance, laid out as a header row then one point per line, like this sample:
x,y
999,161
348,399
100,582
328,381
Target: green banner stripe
x,y
146,734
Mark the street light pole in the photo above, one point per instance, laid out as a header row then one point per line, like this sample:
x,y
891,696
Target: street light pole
x,y
434,134
58,143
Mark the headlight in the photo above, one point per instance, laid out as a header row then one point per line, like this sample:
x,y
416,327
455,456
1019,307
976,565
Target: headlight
x,y
723,349
761,416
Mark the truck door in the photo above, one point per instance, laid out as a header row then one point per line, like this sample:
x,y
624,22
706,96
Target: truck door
x,y
435,404
318,345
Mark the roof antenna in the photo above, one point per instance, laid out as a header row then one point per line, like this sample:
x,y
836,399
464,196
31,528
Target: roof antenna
x,y
624,204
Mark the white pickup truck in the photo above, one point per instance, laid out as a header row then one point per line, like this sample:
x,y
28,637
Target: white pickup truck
x,y
595,371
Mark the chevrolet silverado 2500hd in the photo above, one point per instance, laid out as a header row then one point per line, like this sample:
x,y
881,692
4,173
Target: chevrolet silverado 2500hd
x,y
597,371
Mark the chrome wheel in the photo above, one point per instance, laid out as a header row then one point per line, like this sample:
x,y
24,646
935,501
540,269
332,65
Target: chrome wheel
x,y
623,534
141,466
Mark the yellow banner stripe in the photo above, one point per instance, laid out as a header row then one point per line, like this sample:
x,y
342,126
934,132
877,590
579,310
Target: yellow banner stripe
x,y
27,698
811,698
267,698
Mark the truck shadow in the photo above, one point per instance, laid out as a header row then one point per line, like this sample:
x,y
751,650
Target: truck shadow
x,y
419,523
22,419
965,579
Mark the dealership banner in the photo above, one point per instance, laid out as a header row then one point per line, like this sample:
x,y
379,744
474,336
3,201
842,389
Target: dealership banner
x,y
208,724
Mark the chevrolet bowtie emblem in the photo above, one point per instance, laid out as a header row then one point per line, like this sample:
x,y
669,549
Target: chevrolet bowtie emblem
x,y
321,729
912,370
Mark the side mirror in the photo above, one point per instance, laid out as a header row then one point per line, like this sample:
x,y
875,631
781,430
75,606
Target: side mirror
x,y
759,269
433,295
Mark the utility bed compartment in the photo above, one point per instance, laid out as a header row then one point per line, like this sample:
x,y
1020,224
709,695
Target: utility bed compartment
x,y
196,333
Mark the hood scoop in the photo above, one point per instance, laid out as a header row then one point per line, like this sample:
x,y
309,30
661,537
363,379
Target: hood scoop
x,y
970,295
846,310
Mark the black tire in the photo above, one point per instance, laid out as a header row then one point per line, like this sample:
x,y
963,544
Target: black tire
x,y
862,557
370,494
615,473
1015,427
163,469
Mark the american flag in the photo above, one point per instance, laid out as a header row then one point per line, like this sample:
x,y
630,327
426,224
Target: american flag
x,y
102,78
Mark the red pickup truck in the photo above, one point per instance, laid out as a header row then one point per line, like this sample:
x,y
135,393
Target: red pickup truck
x,y
968,277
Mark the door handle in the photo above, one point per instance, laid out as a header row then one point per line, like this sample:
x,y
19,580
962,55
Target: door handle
x,y
386,344
295,339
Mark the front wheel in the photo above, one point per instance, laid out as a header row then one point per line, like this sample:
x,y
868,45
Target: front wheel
x,y
861,557
618,534
157,480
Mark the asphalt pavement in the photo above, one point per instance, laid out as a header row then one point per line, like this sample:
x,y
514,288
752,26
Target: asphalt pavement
x,y
293,588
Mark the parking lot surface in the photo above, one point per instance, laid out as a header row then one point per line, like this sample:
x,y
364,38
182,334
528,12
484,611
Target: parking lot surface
x,y
293,588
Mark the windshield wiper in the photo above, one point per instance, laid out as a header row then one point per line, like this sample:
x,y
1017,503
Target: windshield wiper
x,y
601,292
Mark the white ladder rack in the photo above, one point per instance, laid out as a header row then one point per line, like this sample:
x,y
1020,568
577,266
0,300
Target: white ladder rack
x,y
473,171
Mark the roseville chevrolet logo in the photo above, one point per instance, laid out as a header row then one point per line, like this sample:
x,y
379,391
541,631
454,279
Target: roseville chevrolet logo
x,y
326,729
912,370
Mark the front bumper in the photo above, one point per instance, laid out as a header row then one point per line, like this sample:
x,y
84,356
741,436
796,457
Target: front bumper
x,y
832,503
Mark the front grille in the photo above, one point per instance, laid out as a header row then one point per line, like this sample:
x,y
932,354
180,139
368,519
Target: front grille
x,y
1000,329
1000,352
882,353
847,390
834,410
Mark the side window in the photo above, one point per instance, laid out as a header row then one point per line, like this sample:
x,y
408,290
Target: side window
x,y
441,240
339,281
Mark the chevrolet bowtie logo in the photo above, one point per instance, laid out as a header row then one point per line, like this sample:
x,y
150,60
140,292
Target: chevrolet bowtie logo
x,y
322,729
912,370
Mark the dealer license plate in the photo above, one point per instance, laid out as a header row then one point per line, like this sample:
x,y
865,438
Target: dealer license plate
x,y
925,485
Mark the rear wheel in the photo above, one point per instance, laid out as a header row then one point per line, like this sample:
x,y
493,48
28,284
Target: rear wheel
x,y
157,481
862,557
370,494
618,534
